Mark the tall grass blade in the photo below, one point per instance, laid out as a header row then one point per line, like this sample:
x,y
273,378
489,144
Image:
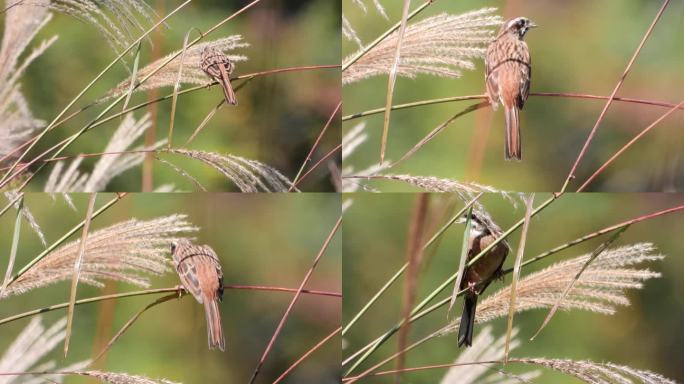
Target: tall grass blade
x,y
529,205
392,80
77,270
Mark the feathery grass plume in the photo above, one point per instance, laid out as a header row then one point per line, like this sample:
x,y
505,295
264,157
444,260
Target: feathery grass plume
x,y
192,72
31,345
347,29
350,142
485,348
600,288
435,184
248,175
599,373
121,31
361,4
22,23
441,45
26,213
108,166
349,33
122,252
122,378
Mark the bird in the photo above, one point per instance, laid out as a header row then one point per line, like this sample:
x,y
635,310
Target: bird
x,y
478,276
201,274
219,67
508,70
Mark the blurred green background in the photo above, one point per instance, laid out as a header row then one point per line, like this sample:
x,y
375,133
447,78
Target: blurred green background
x,y
645,335
278,118
580,46
261,240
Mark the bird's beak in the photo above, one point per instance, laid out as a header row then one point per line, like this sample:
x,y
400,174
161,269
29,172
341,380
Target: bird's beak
x,y
460,220
532,25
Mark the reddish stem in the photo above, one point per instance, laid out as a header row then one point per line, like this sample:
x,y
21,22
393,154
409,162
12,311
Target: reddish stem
x,y
313,168
294,299
315,145
629,144
571,174
309,352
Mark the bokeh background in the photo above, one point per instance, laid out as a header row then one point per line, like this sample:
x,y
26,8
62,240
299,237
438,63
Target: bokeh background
x,y
261,240
276,122
645,335
580,46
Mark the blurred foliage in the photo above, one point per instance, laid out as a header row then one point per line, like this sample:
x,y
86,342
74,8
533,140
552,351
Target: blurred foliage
x,y
261,240
581,46
278,117
645,335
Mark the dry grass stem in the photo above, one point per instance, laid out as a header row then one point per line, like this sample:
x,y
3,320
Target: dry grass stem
x,y
441,45
248,175
192,73
600,289
121,252
30,346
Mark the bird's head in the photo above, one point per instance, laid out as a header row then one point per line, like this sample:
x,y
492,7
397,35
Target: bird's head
x,y
518,26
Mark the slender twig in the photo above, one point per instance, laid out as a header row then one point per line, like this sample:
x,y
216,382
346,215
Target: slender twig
x,y
324,247
132,320
414,256
304,356
583,151
626,146
315,145
318,163
161,290
452,99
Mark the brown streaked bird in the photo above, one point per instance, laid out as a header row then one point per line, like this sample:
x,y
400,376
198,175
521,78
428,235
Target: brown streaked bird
x,y
508,70
200,273
219,67
477,277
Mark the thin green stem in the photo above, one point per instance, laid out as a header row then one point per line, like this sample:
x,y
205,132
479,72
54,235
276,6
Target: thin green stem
x,y
403,267
66,236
